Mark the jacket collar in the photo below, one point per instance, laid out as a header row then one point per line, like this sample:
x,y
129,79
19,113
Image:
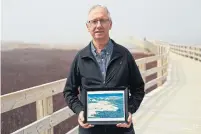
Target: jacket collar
x,y
108,48
86,52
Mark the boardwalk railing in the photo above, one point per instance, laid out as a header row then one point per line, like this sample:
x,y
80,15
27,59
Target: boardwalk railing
x,y
43,96
193,52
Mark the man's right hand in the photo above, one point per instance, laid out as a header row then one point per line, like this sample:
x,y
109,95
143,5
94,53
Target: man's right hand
x,y
81,120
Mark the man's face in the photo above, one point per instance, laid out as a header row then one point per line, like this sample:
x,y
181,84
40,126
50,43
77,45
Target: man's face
x,y
99,23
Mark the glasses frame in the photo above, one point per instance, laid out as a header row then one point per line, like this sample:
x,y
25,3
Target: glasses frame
x,y
94,22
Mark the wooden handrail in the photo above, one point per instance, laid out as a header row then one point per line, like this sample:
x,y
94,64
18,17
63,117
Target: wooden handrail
x,y
47,122
193,52
42,95
26,96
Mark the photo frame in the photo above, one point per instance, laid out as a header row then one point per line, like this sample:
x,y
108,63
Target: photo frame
x,y
106,106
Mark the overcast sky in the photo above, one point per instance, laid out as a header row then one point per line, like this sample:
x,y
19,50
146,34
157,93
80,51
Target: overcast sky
x,y
63,21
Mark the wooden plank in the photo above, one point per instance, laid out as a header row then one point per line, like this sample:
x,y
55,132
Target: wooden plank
x,y
36,127
143,69
45,107
153,58
39,112
155,81
148,59
46,123
152,71
159,73
140,61
60,116
23,97
73,131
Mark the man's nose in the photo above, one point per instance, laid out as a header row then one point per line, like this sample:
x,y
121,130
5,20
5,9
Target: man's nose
x,y
99,24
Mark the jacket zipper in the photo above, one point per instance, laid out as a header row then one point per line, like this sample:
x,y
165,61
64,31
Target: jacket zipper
x,y
103,81
107,68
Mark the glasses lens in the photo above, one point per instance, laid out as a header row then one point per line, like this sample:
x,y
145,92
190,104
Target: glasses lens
x,y
95,22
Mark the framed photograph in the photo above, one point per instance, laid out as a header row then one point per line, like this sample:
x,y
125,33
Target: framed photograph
x,y
106,105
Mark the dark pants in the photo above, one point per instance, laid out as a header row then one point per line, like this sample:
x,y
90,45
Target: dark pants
x,y
106,129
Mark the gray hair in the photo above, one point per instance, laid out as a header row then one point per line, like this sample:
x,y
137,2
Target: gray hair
x,y
104,7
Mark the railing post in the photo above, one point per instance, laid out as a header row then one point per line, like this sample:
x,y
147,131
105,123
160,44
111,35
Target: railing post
x,y
162,60
43,108
159,64
165,61
143,69
195,53
199,54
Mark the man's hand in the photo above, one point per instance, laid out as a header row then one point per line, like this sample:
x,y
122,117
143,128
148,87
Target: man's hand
x,y
126,125
81,120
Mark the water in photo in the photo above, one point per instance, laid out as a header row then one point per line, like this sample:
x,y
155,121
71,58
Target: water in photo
x,y
106,106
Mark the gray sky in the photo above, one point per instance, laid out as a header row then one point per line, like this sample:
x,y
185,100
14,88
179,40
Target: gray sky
x,y
63,21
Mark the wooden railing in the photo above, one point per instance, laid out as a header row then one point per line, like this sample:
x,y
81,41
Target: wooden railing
x,y
43,94
193,52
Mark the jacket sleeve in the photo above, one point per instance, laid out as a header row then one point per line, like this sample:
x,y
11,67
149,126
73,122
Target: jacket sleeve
x,y
70,91
136,84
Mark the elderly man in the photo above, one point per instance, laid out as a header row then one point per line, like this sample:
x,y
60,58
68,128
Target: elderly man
x,y
103,63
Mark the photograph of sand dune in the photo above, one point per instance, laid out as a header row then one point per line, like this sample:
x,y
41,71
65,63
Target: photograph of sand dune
x,y
106,106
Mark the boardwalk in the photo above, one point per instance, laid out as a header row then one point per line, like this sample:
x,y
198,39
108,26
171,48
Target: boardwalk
x,y
174,108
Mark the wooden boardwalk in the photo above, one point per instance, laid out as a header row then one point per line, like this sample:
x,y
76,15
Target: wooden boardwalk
x,y
175,107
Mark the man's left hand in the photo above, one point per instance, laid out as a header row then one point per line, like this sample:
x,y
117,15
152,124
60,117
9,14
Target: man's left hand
x,y
126,125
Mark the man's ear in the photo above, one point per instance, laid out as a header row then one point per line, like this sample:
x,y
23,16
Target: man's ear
x,y
87,27
111,25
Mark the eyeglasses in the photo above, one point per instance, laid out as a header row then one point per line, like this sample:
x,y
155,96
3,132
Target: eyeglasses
x,y
95,22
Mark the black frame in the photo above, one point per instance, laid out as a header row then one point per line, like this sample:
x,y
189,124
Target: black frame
x,y
106,89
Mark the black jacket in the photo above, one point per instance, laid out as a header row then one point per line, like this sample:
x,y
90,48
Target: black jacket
x,y
85,72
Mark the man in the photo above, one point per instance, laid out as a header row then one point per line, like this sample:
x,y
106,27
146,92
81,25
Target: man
x,y
103,63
